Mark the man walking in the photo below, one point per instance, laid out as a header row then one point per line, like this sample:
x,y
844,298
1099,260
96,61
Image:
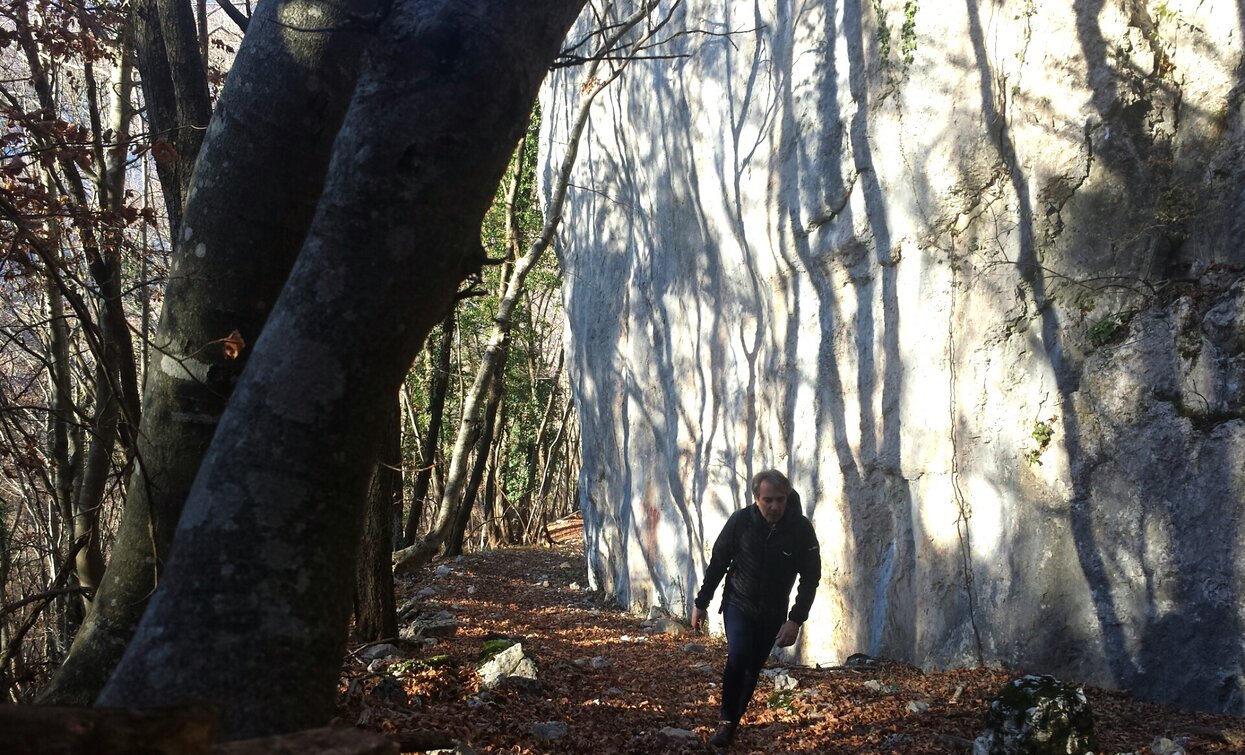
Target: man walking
x,y
760,550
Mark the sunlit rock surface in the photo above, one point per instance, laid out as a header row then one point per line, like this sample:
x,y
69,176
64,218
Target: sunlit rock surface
x,y
972,279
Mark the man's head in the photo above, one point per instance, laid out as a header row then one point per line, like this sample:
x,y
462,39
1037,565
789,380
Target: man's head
x,y
770,489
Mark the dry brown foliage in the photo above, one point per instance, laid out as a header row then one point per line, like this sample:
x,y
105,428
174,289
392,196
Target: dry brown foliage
x,y
653,682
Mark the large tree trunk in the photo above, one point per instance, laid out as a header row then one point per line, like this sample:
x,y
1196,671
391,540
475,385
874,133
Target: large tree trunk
x,y
258,586
469,429
375,615
255,189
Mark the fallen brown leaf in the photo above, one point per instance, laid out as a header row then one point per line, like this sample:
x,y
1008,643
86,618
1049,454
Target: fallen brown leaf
x,y
654,683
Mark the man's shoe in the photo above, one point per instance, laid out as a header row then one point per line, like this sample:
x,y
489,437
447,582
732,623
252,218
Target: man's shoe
x,y
724,735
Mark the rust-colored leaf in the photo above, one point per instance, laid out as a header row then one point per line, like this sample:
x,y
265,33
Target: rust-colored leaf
x,y
233,345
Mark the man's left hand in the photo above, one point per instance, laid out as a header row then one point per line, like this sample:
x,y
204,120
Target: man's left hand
x,y
788,634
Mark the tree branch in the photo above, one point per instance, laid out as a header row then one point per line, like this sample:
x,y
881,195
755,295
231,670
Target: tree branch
x,y
238,16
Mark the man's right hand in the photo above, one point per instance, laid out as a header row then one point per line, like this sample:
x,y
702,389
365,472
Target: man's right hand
x,y
698,619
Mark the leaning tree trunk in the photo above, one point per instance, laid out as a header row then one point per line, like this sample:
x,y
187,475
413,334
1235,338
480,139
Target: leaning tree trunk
x,y
254,191
258,586
375,615
410,558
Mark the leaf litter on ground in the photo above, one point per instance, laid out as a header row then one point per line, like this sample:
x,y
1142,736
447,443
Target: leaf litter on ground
x,y
615,685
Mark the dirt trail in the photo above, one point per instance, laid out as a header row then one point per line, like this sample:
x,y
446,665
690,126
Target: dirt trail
x,y
615,685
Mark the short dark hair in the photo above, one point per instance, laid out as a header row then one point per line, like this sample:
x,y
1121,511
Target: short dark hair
x,y
773,477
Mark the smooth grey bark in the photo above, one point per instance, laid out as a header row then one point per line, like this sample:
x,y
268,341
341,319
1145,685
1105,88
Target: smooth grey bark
x,y
474,402
234,14
259,582
243,227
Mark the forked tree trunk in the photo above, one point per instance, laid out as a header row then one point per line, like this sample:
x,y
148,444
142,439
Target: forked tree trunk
x,y
259,583
255,188
420,553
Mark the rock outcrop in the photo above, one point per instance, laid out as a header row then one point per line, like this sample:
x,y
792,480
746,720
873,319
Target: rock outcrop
x,y
1038,715
971,274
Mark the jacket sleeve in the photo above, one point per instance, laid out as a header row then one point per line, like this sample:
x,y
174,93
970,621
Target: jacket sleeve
x,y
719,562
810,575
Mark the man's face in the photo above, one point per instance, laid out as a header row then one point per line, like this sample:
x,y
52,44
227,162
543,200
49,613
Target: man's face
x,y
772,500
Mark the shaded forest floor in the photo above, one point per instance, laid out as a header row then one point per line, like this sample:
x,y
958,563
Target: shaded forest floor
x,y
615,685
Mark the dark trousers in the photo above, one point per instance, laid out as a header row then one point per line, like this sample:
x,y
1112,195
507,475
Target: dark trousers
x,y
748,643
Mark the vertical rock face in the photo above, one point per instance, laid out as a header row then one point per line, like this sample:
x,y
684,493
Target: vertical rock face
x,y
970,273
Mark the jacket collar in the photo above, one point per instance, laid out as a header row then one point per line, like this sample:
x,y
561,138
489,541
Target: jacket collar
x,y
788,516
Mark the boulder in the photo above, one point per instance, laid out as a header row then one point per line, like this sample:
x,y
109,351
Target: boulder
x,y
785,682
383,650
675,737
669,626
439,624
549,731
511,663
599,662
861,661
1038,715
1165,746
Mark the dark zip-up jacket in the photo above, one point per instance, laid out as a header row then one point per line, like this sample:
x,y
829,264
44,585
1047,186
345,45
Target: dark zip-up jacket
x,y
761,562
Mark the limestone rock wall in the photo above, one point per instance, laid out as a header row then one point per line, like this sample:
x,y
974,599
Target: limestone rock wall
x,y
970,272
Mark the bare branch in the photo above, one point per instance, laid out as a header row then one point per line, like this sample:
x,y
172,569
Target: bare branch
x,y
238,16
